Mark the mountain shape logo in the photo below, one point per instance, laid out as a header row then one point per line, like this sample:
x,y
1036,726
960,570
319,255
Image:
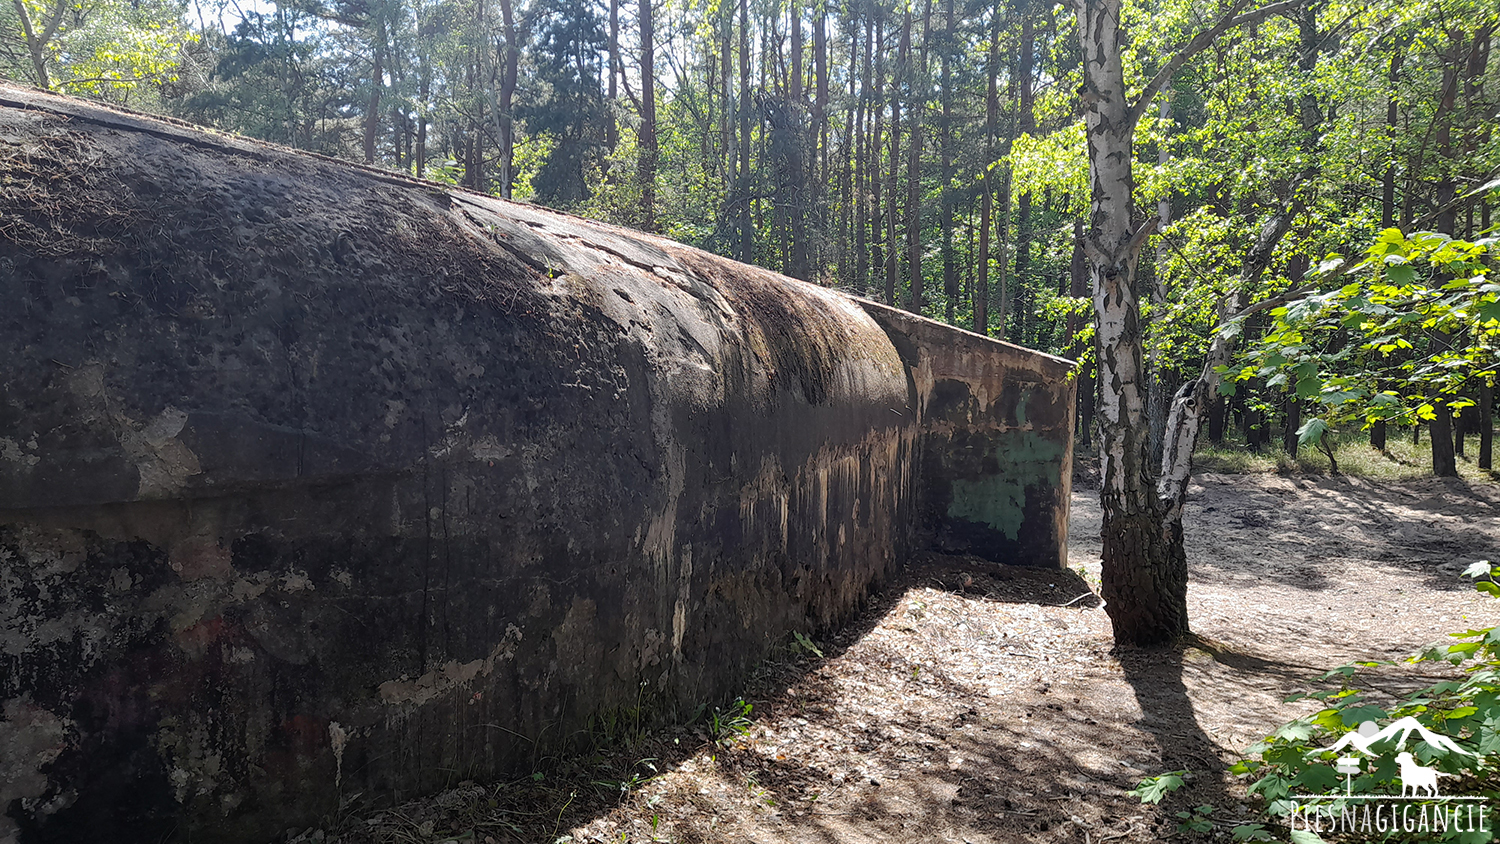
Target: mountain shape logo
x,y
1369,733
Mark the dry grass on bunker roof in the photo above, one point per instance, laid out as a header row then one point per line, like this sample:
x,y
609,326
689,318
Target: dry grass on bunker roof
x,y
976,703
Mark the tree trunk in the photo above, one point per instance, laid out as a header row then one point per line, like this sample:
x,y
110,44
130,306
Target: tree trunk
x,y
1392,114
986,205
1377,435
1078,287
646,165
877,141
892,245
794,87
612,126
820,159
1144,580
796,196
36,43
509,68
419,163
945,143
848,168
377,84
1217,413
1460,428
1025,125
1002,247
1289,439
862,169
916,301
726,93
746,224
1114,252
1444,463
1486,424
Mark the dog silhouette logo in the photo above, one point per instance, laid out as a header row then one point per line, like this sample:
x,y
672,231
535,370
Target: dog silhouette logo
x,y
1415,778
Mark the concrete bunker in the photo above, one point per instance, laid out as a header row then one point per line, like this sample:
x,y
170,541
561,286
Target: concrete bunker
x,y
315,479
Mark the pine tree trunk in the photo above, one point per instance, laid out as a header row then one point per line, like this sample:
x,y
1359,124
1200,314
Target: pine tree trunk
x,y
1392,114
820,159
508,72
646,165
916,300
746,224
892,245
1002,249
612,127
1025,124
945,142
877,142
986,206
796,195
377,85
726,95
419,163
862,171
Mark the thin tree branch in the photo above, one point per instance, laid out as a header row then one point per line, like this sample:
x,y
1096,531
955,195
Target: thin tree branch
x,y
57,16
1138,239
1201,42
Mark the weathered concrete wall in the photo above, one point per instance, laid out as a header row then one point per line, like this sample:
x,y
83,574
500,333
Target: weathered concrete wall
x,y
996,452
318,481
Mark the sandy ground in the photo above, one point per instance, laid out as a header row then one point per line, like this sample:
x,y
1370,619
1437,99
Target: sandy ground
x,y
975,703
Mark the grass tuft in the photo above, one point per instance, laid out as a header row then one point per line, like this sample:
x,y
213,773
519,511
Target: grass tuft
x,y
1399,461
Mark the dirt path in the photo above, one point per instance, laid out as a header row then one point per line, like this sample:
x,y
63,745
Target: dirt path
x,y
976,704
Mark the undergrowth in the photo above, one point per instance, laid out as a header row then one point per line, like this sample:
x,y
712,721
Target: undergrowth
x,y
1354,755
1400,460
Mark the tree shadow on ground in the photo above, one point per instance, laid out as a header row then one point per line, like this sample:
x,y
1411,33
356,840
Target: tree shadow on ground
x,y
1156,677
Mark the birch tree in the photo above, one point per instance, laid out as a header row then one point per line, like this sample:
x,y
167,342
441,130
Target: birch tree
x,y
1144,561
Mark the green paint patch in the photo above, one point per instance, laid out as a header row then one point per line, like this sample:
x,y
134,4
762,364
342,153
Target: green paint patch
x,y
999,500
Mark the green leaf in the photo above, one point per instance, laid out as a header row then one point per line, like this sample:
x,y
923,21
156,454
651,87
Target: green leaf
x,y
1480,568
1299,730
1402,274
1304,836
1155,789
1311,431
1356,715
